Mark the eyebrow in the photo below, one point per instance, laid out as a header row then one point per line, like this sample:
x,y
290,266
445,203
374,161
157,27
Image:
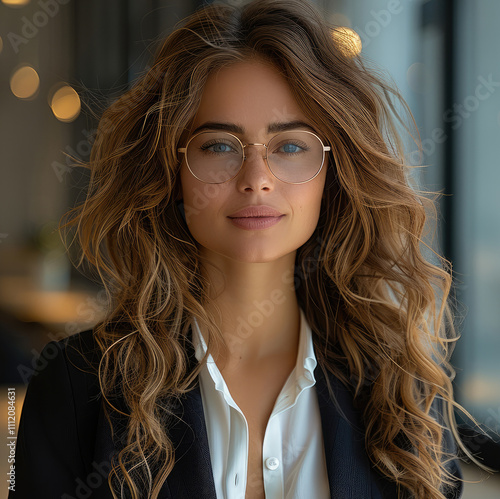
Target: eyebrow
x,y
276,127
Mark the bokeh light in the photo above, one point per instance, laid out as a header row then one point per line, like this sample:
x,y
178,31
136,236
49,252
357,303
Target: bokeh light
x,y
16,3
65,103
25,82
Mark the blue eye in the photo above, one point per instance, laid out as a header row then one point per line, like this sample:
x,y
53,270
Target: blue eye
x,y
220,148
291,148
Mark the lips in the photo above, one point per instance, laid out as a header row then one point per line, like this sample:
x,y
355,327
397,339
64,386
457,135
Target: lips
x,y
256,211
256,217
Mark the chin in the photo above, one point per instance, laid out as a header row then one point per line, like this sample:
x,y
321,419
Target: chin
x,y
251,253
256,258
254,255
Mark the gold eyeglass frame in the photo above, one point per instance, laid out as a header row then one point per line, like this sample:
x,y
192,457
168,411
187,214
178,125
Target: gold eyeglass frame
x,y
243,145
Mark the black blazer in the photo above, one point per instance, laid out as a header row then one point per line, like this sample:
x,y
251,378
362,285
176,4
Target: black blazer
x,y
64,443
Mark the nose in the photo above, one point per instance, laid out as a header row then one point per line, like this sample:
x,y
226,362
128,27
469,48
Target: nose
x,y
255,174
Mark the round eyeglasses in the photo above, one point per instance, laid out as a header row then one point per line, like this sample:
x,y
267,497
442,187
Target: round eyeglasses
x,y
294,157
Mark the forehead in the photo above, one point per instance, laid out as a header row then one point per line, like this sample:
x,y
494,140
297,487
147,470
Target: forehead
x,y
252,94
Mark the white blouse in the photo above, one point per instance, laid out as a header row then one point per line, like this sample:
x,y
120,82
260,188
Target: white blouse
x,y
293,463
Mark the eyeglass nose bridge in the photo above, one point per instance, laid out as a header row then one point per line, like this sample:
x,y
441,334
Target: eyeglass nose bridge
x,y
254,144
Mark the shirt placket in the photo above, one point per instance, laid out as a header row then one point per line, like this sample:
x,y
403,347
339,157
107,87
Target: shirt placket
x,y
272,457
236,480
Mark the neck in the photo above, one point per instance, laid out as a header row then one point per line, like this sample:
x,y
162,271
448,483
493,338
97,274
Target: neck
x,y
260,316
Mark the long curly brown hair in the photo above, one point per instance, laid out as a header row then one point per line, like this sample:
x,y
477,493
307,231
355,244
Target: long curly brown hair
x,y
378,309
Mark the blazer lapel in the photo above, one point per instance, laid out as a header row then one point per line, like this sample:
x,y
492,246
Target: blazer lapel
x,y
350,473
192,472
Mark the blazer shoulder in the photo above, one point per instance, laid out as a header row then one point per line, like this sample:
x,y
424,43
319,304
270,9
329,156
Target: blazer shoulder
x,y
59,418
72,364
82,352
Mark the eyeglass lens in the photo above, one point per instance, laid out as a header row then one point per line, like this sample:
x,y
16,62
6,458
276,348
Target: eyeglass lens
x,y
216,157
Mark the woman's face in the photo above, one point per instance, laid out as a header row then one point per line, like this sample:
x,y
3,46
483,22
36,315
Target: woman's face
x,y
254,97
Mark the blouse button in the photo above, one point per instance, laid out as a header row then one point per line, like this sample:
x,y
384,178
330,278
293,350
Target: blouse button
x,y
272,463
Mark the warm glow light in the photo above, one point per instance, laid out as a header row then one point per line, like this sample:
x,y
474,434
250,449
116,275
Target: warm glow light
x,y
24,82
65,104
348,40
480,390
15,3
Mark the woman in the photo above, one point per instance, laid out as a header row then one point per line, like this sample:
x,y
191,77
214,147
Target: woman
x,y
275,330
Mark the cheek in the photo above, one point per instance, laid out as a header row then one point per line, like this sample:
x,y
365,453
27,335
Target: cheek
x,y
201,202
308,203
192,197
311,198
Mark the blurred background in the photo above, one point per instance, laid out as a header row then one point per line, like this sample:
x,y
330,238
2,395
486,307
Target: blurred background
x,y
62,59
